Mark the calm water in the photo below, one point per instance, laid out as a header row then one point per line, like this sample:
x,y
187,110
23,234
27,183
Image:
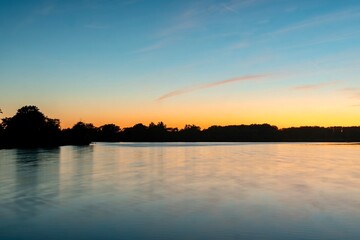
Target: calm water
x,y
181,191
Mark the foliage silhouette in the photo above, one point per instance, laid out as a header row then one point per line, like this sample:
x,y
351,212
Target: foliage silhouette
x,y
31,128
80,134
108,133
241,133
192,132
136,133
2,135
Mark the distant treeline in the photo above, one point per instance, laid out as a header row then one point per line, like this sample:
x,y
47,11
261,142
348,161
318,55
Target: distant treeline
x,y
31,128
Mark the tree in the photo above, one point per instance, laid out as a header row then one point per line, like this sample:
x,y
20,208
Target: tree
x,y
139,132
30,128
158,132
1,135
190,133
80,134
109,133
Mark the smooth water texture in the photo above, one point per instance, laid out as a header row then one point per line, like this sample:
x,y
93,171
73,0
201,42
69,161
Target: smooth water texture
x,y
181,191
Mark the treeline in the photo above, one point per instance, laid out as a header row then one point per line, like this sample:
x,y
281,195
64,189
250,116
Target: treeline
x,y
239,133
31,128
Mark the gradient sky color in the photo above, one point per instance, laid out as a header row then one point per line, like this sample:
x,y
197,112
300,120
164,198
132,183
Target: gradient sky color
x,y
206,62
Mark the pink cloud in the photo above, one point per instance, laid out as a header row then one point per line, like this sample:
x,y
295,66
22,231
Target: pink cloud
x,y
211,85
316,86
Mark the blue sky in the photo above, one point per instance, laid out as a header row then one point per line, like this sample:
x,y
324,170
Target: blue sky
x,y
113,61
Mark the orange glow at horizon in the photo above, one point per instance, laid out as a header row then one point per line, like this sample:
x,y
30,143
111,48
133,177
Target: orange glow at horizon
x,y
282,117
282,108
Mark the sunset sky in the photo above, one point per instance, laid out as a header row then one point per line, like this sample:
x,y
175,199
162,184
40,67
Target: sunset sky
x,y
206,62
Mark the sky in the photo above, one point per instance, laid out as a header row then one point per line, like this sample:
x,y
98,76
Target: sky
x,y
206,62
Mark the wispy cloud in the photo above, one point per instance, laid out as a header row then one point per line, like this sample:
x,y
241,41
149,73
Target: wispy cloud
x,y
353,92
316,86
152,47
235,6
184,23
229,8
211,85
327,39
319,20
240,45
173,30
198,15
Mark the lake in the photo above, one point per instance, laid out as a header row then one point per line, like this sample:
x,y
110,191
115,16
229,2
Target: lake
x,y
181,191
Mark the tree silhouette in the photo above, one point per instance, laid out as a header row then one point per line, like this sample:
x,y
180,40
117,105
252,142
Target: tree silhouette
x,y
1,135
135,134
191,132
158,132
242,133
80,134
108,133
30,128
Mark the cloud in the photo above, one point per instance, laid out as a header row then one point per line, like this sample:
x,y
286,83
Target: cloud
x,y
240,45
197,15
235,6
152,47
200,13
315,86
211,85
327,39
230,8
180,26
319,20
353,92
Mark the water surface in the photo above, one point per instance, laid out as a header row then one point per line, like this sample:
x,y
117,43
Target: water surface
x,y
181,191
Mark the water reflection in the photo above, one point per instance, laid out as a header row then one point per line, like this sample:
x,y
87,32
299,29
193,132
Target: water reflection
x,y
76,170
33,191
176,191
